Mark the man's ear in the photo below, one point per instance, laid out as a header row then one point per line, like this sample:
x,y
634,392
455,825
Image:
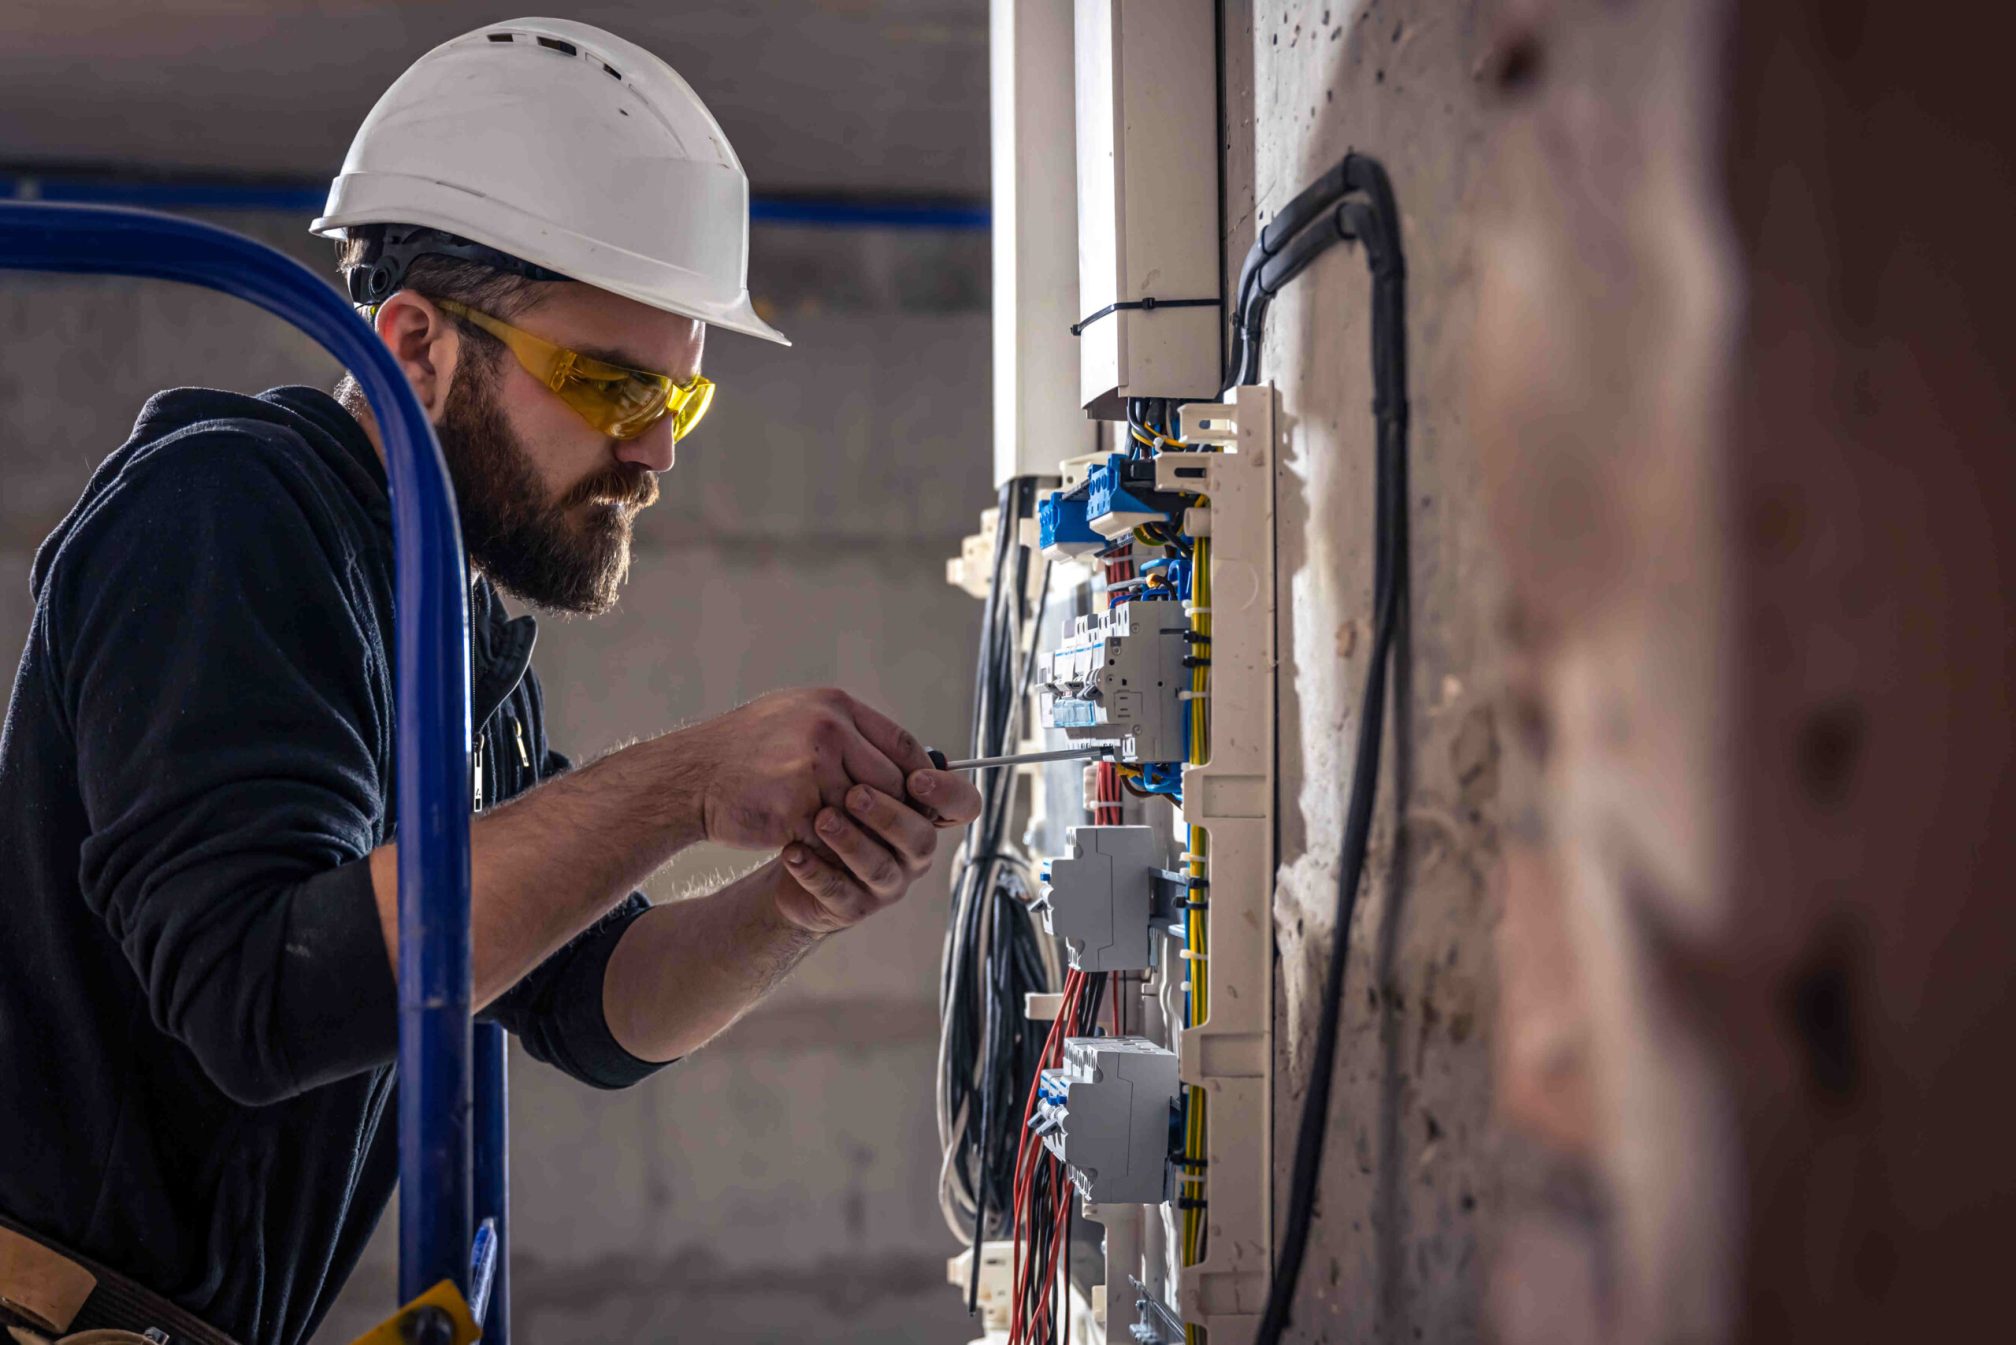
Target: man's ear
x,y
426,344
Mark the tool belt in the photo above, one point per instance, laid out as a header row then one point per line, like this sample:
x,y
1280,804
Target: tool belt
x,y
46,1291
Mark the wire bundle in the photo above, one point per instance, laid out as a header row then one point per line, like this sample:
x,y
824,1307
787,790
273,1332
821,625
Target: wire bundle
x,y
1043,1191
993,952
1191,1164
1107,798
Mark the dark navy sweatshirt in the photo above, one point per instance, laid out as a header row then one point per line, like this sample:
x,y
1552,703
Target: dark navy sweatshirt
x,y
197,1014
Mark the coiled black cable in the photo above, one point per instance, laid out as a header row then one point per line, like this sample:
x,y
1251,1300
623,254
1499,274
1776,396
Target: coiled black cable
x,y
993,953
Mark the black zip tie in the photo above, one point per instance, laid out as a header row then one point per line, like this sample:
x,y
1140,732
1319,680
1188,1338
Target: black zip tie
x,y
1148,305
1196,661
1195,637
1192,1203
1181,1161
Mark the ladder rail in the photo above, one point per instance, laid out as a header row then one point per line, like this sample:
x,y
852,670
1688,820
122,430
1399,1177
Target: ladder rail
x,y
438,1114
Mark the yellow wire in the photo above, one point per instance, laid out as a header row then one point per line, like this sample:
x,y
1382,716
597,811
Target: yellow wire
x,y
1159,440
1195,927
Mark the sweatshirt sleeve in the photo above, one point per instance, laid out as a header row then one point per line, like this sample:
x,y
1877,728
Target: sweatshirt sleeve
x,y
556,1011
223,680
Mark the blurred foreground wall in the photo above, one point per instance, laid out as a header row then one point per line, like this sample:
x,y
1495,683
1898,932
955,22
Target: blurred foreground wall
x,y
1679,999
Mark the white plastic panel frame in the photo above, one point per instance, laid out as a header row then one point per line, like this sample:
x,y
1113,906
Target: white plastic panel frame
x,y
1231,796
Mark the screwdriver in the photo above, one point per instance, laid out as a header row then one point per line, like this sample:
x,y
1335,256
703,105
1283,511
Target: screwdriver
x,y
939,762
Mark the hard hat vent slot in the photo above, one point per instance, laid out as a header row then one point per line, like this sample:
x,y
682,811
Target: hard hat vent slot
x,y
614,73
503,37
564,48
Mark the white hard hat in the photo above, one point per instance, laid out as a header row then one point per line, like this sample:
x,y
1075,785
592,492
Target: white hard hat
x,y
567,147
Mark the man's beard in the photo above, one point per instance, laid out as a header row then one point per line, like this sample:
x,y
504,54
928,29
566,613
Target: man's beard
x,y
551,553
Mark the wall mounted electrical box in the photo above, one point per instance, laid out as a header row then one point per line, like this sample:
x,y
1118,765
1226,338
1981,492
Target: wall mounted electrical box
x,y
1035,214
1147,149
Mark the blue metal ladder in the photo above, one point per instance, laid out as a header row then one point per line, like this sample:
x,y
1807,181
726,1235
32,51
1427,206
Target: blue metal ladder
x,y
453,1160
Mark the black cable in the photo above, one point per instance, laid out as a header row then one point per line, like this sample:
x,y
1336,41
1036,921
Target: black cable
x,y
987,1053
986,1128
1371,218
1354,174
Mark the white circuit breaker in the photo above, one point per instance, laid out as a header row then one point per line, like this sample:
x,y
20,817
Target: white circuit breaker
x,y
1118,677
1100,898
1108,1113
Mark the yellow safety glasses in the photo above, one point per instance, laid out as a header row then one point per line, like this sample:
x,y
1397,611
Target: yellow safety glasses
x,y
620,402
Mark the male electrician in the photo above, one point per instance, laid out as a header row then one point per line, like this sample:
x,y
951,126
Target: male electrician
x,y
197,932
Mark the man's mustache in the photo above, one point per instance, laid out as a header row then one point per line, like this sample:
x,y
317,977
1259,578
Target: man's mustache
x,y
622,483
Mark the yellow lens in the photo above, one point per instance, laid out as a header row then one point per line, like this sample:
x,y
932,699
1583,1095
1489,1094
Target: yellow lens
x,y
623,405
689,404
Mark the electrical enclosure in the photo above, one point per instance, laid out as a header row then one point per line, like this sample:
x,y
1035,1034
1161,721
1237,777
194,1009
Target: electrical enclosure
x,y
1147,150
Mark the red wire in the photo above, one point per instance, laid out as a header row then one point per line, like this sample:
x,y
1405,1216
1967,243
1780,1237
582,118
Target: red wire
x,y
1029,1148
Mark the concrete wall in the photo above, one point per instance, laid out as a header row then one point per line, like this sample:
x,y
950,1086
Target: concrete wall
x,y
1414,1168
781,1184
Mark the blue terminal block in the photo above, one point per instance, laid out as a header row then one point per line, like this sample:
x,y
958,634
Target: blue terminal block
x,y
1061,526
1113,509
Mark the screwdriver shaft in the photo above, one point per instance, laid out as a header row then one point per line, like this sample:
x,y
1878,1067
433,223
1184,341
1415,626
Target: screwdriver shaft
x,y
1025,759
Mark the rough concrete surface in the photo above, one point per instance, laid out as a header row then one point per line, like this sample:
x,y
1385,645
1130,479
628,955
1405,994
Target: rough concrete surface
x,y
781,1184
1410,1181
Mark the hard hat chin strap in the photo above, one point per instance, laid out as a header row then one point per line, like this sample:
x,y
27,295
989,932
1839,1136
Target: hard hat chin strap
x,y
393,248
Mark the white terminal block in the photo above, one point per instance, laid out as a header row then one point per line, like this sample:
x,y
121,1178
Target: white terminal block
x,y
1107,1113
1100,898
1116,679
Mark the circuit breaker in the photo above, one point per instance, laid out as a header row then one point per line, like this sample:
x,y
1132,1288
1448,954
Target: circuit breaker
x,y
1108,1113
1117,677
1100,898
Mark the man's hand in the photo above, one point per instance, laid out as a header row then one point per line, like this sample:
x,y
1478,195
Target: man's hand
x,y
770,768
883,845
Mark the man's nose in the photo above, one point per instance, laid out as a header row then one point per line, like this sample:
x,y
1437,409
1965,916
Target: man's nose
x,y
653,448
